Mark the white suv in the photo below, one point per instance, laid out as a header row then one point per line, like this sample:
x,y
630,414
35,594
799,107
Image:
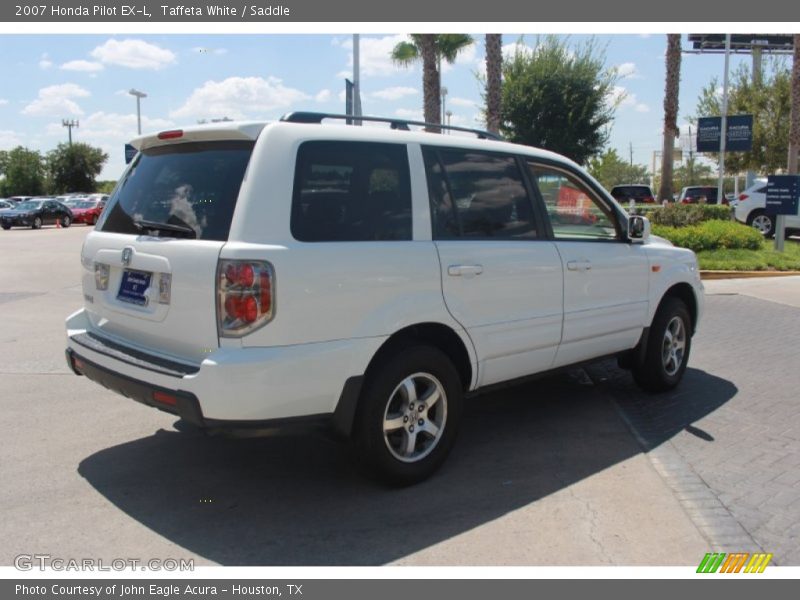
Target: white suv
x,y
751,210
254,275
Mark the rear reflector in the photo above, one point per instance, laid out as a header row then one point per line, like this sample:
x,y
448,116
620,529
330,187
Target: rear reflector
x,y
171,134
165,398
78,363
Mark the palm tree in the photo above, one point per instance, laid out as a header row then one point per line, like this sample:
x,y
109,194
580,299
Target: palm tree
x,y
670,113
794,119
431,48
494,68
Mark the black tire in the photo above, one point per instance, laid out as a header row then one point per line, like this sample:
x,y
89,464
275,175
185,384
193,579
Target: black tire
x,y
94,220
37,223
66,221
384,395
762,222
6,227
659,372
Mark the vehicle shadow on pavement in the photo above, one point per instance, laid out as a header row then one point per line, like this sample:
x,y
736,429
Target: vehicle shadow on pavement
x,y
300,500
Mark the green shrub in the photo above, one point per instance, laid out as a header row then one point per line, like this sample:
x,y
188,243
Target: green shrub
x,y
711,235
681,215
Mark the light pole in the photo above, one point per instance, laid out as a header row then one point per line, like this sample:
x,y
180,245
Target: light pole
x,y
444,104
69,124
139,95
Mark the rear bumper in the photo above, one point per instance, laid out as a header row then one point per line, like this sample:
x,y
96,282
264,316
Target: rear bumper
x,y
233,386
183,404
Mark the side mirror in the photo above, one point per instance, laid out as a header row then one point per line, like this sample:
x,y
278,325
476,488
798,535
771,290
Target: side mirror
x,y
638,229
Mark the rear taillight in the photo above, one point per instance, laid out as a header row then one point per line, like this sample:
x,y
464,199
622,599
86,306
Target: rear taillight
x,y
743,197
245,296
686,201
649,199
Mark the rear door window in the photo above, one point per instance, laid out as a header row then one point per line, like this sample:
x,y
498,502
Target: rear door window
x,y
477,195
351,192
191,188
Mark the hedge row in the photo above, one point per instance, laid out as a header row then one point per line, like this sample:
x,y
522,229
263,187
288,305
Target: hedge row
x,y
681,215
711,235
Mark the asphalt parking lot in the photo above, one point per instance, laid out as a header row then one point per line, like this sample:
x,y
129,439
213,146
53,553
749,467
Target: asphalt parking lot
x,y
578,469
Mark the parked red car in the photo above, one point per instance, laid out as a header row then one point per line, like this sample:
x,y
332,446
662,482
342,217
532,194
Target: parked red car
x,y
87,211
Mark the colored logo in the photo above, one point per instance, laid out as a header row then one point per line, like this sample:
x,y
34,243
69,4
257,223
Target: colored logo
x,y
737,562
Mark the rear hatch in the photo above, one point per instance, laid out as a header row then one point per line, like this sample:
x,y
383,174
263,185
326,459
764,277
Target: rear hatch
x,y
150,265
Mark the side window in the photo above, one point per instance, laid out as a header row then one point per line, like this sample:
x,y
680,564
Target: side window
x,y
351,192
477,195
574,211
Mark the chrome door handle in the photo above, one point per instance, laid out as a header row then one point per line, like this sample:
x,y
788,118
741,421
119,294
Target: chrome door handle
x,y
464,270
579,265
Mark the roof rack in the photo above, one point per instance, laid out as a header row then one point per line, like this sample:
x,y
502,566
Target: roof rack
x,y
401,124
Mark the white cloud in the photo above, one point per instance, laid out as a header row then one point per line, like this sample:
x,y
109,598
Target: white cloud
x,y
323,96
375,55
45,62
134,54
394,93
85,66
238,98
56,101
3,101
628,70
623,99
9,139
456,101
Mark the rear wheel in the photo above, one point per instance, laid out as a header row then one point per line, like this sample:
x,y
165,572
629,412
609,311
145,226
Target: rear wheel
x,y
37,223
94,220
66,221
668,346
762,222
409,415
6,227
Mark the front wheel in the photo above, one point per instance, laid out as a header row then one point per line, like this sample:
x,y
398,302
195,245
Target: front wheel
x,y
409,415
37,223
668,346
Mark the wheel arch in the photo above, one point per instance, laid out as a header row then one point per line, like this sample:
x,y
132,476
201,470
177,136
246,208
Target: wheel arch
x,y
685,293
438,335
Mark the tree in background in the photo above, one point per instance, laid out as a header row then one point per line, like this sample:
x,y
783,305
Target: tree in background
x,y
431,49
671,131
610,170
769,101
74,168
23,171
558,97
494,76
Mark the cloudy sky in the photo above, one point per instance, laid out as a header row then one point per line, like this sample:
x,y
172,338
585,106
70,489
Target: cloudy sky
x,y
47,78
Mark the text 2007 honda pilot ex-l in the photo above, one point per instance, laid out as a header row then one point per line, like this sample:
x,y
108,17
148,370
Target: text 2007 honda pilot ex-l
x,y
250,274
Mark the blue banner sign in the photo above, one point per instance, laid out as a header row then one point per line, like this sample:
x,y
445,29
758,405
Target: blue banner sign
x,y
783,193
739,136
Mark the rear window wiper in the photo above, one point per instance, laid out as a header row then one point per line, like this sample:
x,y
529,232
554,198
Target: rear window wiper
x,y
141,224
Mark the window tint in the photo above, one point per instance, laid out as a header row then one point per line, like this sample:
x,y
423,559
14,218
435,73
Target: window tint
x,y
193,184
351,191
574,211
477,195
626,192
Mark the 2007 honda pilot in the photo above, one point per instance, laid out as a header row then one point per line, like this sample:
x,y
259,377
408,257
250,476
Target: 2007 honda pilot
x,y
247,273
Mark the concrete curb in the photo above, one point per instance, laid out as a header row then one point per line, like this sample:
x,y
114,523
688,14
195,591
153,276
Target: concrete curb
x,y
745,274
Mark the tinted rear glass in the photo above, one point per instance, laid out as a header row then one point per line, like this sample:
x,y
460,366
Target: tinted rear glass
x,y
626,192
193,185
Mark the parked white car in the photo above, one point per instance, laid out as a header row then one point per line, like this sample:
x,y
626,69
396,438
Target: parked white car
x,y
750,209
250,275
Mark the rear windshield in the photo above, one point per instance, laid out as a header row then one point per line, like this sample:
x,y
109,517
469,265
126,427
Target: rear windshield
x,y
191,188
631,191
